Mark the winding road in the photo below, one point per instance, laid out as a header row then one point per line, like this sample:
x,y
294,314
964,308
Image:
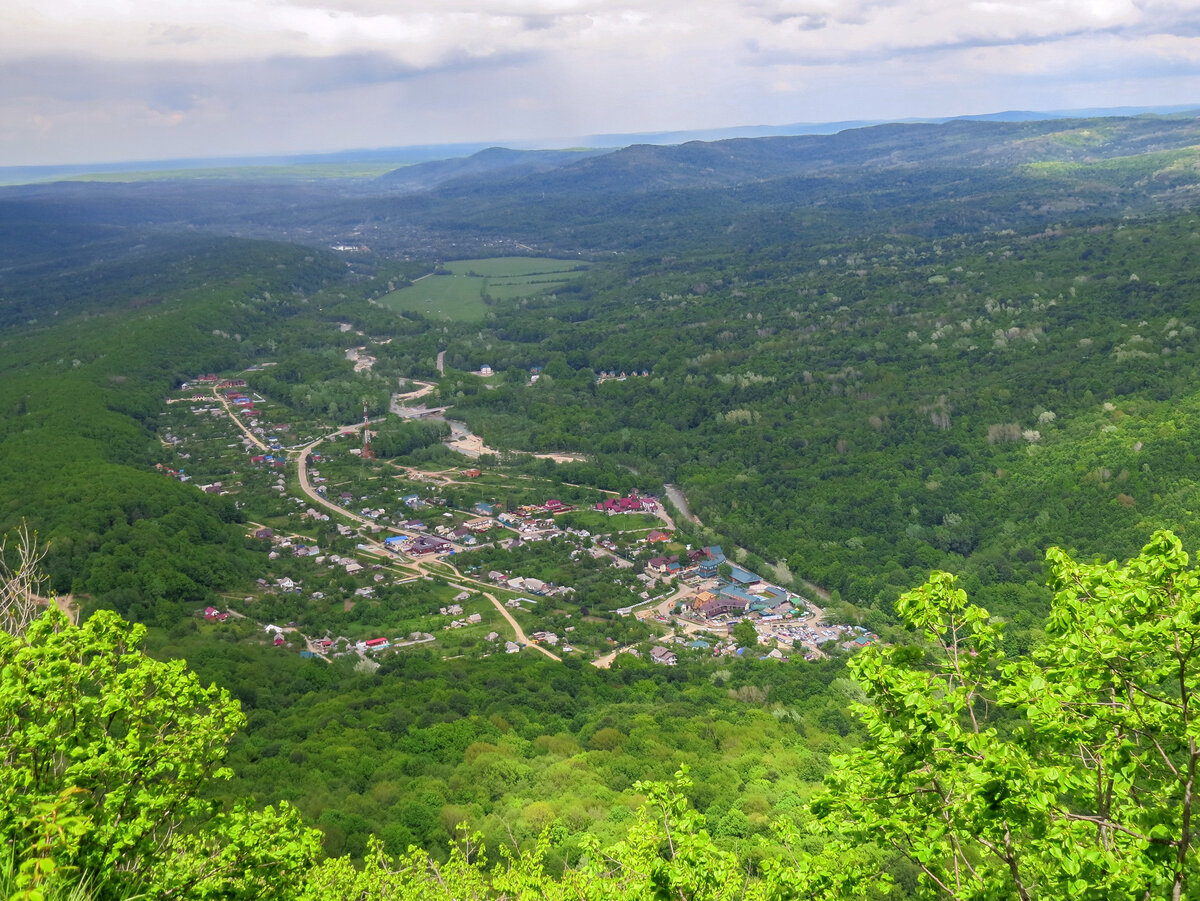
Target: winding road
x,y
420,566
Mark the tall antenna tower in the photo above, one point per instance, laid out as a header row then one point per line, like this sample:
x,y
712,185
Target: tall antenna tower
x,y
367,453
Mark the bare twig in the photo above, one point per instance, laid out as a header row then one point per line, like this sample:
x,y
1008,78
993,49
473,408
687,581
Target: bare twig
x,y
20,581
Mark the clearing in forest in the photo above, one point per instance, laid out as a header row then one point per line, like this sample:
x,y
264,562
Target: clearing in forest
x,y
461,294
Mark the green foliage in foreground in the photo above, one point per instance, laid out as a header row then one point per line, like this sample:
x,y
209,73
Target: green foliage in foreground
x,y
1070,773
667,854
106,753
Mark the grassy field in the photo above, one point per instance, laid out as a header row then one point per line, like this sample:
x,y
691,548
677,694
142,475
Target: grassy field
x,y
455,297
459,295
514,268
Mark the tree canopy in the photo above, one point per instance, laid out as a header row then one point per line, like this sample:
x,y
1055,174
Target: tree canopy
x,y
1069,773
107,756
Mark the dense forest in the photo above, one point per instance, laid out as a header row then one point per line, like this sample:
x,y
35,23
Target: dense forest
x,y
861,358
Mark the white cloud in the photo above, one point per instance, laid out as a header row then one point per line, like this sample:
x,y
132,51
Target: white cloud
x,y
402,71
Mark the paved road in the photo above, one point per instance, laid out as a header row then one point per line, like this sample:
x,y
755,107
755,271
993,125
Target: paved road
x,y
315,497
306,485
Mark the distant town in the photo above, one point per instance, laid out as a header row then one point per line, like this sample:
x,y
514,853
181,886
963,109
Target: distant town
x,y
455,559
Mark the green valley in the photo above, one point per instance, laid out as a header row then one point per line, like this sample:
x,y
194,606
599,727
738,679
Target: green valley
x,y
568,549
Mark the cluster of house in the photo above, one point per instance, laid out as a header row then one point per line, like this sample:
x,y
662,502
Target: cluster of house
x,y
667,657
778,615
282,544
551,638
172,472
277,461
513,647
851,637
551,507
533,530
215,412
417,546
416,502
297,549
457,610
632,503
615,376
465,534
240,400
215,380
278,637
530,584
704,562
741,594
273,441
337,646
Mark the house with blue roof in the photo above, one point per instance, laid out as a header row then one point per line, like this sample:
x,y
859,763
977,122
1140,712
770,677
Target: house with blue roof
x,y
733,593
707,568
743,576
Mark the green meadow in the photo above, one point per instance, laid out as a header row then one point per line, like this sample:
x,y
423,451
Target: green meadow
x,y
459,295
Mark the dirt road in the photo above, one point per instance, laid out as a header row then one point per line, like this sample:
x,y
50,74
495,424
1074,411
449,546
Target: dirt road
x,y
233,415
522,638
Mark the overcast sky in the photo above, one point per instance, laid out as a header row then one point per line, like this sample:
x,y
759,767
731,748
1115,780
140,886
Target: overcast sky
x,y
101,80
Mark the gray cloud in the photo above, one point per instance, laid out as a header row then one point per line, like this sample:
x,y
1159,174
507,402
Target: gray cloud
x,y
205,77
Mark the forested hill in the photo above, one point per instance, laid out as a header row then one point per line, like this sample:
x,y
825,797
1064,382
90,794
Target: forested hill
x,y
962,144
908,178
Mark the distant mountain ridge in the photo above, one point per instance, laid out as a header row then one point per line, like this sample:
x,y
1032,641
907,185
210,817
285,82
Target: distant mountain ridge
x,y
958,143
493,160
933,178
423,153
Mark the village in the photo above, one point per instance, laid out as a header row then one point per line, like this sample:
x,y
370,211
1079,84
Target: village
x,y
370,557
